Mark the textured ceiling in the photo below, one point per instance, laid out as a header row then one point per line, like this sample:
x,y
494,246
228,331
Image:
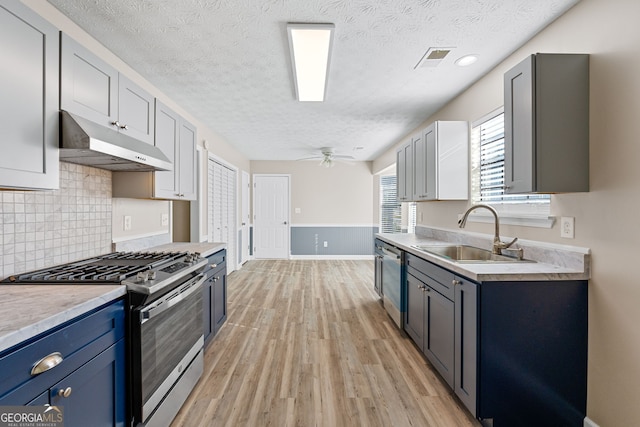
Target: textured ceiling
x,y
227,62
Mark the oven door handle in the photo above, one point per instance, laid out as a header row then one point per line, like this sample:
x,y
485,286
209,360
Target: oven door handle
x,y
172,299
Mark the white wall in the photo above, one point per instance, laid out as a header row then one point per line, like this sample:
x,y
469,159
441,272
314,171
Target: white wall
x,y
606,218
341,195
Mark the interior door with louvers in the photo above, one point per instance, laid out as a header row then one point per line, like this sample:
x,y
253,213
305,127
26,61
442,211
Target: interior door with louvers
x,y
222,208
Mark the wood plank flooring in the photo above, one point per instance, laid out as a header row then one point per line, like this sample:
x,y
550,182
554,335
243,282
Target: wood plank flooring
x,y
307,343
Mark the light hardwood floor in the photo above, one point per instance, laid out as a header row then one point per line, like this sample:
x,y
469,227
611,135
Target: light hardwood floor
x,y
307,343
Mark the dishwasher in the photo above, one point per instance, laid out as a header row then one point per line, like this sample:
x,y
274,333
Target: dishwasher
x,y
392,289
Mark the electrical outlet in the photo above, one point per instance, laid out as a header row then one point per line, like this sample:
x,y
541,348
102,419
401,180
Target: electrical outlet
x,y
298,210
127,222
326,244
164,219
566,227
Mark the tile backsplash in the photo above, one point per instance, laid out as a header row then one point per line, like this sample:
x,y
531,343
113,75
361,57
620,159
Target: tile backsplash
x,y
45,228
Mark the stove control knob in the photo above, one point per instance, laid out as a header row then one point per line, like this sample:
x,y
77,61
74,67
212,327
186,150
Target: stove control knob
x,y
142,276
188,258
152,275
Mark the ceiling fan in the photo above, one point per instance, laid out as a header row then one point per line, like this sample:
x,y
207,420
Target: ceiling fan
x,y
328,158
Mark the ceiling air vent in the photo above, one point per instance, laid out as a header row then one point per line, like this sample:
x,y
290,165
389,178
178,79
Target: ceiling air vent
x,y
433,57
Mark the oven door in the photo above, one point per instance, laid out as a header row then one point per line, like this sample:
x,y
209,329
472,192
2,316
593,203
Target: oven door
x,y
167,336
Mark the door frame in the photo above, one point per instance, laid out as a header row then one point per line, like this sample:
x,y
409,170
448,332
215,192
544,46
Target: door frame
x,y
253,211
245,251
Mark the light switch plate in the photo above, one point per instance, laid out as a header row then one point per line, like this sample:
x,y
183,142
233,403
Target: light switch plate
x,y
164,219
567,227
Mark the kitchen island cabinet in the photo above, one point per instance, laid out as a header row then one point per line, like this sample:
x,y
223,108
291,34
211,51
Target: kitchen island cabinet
x,y
29,88
83,369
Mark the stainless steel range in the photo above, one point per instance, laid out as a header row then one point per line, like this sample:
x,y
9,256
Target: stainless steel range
x,y
165,322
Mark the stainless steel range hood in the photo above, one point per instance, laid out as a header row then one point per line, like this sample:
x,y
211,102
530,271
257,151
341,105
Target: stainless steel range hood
x,y
88,143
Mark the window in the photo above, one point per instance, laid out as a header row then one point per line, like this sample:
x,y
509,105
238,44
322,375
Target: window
x,y
392,212
487,174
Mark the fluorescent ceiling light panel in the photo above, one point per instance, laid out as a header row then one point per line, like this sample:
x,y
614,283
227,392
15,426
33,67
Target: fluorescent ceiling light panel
x,y
310,46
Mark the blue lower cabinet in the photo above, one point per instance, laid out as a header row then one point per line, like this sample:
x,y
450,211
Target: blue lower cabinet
x,y
88,379
96,391
214,295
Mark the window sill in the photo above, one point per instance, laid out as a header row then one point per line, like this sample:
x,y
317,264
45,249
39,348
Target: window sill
x,y
523,220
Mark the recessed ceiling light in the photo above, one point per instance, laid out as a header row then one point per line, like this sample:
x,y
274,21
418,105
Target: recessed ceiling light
x,y
466,60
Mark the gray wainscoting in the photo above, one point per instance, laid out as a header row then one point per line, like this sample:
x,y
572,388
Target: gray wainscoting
x,y
341,240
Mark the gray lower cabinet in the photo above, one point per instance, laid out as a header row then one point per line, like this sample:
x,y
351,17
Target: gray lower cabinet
x,y
466,344
546,121
429,319
29,102
95,90
514,352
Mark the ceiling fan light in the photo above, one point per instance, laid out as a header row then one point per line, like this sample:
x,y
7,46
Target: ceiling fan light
x,y
326,162
310,46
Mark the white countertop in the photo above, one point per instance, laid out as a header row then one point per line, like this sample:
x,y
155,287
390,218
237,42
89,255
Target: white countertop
x,y
28,310
569,263
203,248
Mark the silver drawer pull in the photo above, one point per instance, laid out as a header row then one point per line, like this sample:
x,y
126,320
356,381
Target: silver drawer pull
x,y
64,392
214,265
46,363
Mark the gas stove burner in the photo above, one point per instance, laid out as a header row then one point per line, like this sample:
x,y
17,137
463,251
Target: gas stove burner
x,y
110,268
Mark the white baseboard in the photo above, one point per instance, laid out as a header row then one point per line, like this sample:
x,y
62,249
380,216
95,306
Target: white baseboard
x,y
589,423
329,257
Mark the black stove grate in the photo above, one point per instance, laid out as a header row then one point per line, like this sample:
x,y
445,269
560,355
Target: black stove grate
x,y
110,268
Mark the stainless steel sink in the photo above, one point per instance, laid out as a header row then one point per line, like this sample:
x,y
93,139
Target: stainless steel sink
x,y
467,254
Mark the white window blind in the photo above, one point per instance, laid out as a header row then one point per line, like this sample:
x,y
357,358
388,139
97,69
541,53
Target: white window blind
x,y
391,211
488,166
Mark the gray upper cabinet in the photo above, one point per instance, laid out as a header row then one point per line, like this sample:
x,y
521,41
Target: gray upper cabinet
x,y
176,137
546,119
29,103
404,172
93,89
441,162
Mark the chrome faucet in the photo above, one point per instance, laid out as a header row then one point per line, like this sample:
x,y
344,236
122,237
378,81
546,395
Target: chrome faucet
x,y
498,245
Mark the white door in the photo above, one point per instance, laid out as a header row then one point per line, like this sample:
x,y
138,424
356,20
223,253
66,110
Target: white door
x,y
222,205
271,216
244,253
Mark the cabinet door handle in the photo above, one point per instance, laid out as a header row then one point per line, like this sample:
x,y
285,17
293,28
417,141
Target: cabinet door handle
x,y
456,282
125,127
46,363
66,392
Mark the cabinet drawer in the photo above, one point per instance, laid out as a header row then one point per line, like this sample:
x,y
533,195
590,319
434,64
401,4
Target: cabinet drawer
x,y
77,341
216,260
438,278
